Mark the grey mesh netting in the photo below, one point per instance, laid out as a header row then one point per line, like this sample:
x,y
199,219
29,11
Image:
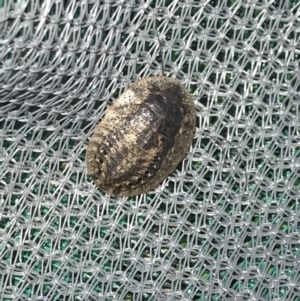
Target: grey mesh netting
x,y
224,226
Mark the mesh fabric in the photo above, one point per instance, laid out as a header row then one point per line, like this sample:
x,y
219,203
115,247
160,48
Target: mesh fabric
x,y
224,226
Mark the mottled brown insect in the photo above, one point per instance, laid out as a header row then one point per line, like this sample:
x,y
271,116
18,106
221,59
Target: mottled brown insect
x,y
145,133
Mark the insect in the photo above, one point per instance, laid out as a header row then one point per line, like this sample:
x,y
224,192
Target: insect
x,y
142,138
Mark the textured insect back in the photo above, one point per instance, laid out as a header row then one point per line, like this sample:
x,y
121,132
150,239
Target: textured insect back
x,y
144,135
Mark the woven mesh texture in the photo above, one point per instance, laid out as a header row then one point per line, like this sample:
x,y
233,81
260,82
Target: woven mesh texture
x,y
224,226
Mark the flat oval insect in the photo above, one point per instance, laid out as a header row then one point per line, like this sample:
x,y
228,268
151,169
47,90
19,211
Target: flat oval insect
x,y
142,138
